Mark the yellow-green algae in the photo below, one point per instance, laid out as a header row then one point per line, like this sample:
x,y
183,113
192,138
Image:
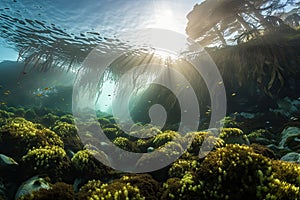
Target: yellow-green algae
x,y
95,190
235,172
18,136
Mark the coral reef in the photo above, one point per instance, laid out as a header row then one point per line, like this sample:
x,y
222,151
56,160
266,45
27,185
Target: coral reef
x,y
59,191
68,134
87,164
218,164
117,190
50,160
18,136
234,136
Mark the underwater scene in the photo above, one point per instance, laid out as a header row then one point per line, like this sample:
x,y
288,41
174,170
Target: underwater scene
x,y
160,99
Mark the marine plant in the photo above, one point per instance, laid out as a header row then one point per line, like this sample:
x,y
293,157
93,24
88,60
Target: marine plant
x,y
87,164
50,160
233,172
233,136
18,136
59,191
117,190
200,142
49,119
69,135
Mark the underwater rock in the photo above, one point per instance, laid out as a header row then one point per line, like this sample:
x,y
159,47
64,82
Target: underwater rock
x,y
6,162
286,133
261,136
57,191
33,184
291,157
3,192
287,107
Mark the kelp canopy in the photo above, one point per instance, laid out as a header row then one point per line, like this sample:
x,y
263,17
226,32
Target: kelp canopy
x,y
266,54
264,41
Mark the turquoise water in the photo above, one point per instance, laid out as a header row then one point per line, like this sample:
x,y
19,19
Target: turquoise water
x,y
73,28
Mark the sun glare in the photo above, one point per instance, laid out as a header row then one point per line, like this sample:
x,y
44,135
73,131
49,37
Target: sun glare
x,y
165,55
165,18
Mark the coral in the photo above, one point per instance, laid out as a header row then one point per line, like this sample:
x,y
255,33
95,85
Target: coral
x,y
67,118
116,190
164,155
260,149
144,131
49,119
88,165
148,187
103,121
50,160
112,131
142,145
281,190
167,136
68,134
186,187
30,114
179,168
200,142
18,136
59,191
124,143
286,171
20,112
4,116
229,122
233,172
237,172
234,136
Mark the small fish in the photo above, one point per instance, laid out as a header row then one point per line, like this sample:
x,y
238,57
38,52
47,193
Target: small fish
x,y
3,103
187,86
149,101
220,83
233,94
39,95
46,88
7,92
109,95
